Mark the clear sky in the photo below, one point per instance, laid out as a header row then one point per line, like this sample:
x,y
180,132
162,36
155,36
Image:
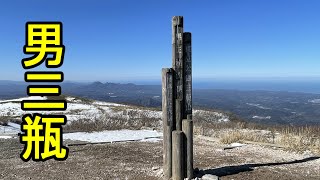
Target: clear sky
x,y
111,40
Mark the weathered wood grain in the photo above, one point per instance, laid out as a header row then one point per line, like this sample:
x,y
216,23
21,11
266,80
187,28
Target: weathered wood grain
x,y
187,128
187,59
177,155
167,119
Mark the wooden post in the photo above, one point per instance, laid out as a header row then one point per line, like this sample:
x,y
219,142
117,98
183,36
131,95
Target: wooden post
x,y
188,74
177,155
167,119
178,117
177,105
187,128
187,124
177,58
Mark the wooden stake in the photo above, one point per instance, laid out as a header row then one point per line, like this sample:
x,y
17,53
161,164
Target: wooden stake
x,y
178,117
187,60
187,128
177,155
167,119
177,58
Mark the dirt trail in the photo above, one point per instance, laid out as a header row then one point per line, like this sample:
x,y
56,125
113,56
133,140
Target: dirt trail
x,y
143,160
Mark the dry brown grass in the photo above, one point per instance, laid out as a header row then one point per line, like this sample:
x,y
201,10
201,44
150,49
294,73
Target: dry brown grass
x,y
301,138
300,143
125,119
61,97
295,138
238,136
4,120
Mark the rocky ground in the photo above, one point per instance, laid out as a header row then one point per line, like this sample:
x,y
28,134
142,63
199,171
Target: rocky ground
x,y
143,160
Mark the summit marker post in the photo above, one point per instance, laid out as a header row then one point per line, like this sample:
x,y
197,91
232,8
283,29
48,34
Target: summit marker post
x,y
177,107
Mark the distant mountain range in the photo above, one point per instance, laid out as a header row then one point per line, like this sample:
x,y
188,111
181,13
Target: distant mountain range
x,y
270,107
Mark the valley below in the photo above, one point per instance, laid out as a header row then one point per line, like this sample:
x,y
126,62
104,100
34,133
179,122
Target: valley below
x,y
258,106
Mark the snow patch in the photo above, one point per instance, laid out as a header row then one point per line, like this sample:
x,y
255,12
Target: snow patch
x,y
72,99
257,105
211,116
25,98
315,101
5,137
8,130
151,140
261,117
107,103
237,145
109,136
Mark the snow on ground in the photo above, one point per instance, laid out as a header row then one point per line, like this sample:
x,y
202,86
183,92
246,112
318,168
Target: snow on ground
x,y
107,104
109,136
72,99
13,107
150,140
10,109
5,137
257,105
261,117
77,110
75,117
315,101
102,136
237,144
138,113
211,116
25,98
77,106
7,130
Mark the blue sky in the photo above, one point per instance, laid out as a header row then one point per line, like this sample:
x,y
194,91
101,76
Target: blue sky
x,y
126,40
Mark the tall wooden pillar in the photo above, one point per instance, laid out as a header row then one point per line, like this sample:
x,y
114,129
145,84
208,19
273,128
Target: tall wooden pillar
x,y
177,107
